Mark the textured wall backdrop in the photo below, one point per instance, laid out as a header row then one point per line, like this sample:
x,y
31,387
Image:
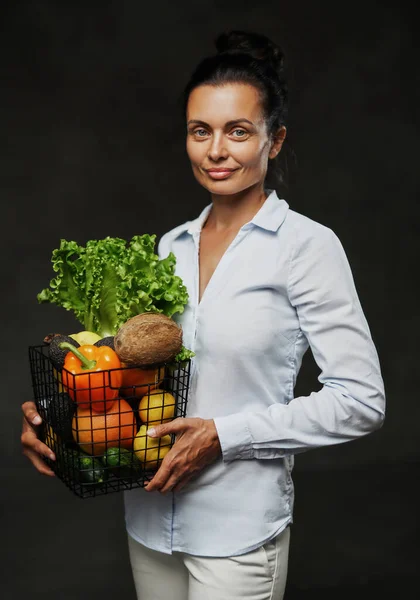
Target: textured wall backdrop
x,y
93,145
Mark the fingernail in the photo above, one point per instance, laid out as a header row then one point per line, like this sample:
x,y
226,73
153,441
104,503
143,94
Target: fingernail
x,y
37,420
151,432
51,456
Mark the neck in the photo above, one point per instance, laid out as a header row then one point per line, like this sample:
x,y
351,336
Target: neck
x,y
234,210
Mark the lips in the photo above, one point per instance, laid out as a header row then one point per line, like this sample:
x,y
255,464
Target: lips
x,y
220,173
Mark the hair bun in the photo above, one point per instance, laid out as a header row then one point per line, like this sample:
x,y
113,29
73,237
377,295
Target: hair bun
x,y
257,45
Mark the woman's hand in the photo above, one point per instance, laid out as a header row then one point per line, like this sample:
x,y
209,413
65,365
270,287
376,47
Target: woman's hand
x,y
196,446
33,448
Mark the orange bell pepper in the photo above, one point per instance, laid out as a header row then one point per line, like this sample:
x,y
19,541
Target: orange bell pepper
x,y
88,377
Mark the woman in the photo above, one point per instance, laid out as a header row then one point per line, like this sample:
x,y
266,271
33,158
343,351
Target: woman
x,y
265,283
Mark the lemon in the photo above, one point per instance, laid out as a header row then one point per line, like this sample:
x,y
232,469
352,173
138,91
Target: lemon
x,y
156,408
147,449
51,438
57,375
85,337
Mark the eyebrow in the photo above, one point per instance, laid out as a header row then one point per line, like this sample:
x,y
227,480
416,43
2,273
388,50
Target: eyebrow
x,y
228,123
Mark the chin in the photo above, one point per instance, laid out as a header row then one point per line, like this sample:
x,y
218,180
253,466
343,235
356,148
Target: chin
x,y
225,188
222,186
222,190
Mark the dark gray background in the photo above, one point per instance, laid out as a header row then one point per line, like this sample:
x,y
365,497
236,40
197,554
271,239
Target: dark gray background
x,y
93,145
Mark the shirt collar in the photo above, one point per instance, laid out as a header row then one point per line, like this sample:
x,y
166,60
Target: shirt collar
x,y
272,213
270,216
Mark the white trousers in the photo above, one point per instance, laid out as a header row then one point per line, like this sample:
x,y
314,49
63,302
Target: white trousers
x,y
257,575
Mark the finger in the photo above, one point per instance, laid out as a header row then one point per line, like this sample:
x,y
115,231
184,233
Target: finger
x,y
30,413
176,426
177,481
161,477
182,483
38,463
32,444
171,484
157,482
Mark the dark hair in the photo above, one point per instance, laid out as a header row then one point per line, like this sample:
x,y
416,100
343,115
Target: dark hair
x,y
249,57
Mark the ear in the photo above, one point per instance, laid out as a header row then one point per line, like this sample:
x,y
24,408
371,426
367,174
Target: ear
x,y
277,142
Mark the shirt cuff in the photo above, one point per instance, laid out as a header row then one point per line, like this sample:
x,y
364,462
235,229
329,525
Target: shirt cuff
x,y
234,436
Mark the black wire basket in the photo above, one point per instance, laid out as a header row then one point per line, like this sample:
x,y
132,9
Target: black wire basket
x,y
101,445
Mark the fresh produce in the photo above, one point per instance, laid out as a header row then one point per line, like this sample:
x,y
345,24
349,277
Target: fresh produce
x,y
56,353
123,463
82,468
151,451
148,339
137,382
109,281
106,283
85,337
106,341
51,439
157,407
59,410
183,356
87,376
90,470
76,465
95,433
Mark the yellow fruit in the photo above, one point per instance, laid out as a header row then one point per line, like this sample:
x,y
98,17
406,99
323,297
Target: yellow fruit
x,y
85,337
156,408
151,451
57,375
51,438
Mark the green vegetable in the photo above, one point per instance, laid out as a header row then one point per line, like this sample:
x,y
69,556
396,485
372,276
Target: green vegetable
x,y
81,468
108,281
184,355
91,471
123,463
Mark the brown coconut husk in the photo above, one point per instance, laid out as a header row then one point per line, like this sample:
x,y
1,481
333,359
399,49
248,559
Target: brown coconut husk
x,y
148,340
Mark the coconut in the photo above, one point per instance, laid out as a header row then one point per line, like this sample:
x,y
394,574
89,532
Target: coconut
x,y
148,339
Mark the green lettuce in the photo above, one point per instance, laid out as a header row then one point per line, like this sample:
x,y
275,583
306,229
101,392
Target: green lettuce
x,y
108,281
184,355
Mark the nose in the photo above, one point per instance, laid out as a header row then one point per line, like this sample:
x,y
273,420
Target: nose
x,y
217,148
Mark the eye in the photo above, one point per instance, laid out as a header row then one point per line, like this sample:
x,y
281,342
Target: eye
x,y
242,131
196,132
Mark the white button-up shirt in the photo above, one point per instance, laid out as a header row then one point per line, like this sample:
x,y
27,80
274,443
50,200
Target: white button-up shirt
x,y
284,284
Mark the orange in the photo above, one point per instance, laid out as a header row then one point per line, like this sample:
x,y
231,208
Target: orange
x,y
96,432
158,407
136,382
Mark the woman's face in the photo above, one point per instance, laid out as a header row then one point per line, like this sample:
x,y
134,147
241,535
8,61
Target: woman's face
x,y
226,129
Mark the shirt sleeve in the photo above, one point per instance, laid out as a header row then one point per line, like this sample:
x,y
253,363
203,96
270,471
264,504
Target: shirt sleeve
x,y
351,402
162,247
